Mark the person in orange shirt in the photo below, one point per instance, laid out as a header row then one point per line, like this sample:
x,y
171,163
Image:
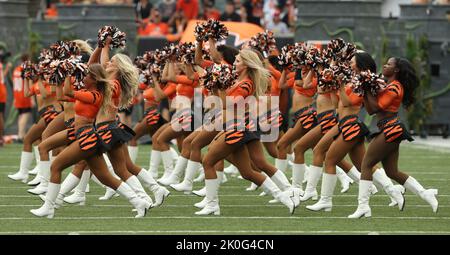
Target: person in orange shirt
x,y
154,27
209,12
402,80
23,104
189,8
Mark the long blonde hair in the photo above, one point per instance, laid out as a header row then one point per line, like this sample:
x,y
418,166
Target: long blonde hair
x,y
128,77
256,71
100,76
84,46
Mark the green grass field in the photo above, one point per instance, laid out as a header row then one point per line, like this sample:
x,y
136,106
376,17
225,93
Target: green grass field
x,y
242,212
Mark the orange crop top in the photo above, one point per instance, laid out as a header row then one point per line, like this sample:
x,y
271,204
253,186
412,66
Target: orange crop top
x,y
391,97
88,102
243,88
186,86
302,91
34,90
275,89
354,99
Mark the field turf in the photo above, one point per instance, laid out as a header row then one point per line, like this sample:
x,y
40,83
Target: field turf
x,y
242,212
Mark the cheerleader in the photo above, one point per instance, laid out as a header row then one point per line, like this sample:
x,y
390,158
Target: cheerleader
x,y
49,108
183,117
95,97
350,140
3,95
64,121
384,146
112,132
232,143
191,156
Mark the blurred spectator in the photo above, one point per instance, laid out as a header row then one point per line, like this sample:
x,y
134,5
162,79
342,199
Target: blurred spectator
x,y
269,9
209,11
177,24
277,26
167,9
52,11
155,27
21,102
254,11
289,13
189,8
143,9
230,14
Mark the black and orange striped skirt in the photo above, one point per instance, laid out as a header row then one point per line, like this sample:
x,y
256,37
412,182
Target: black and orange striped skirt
x,y
393,130
307,117
70,127
88,138
241,131
351,128
113,133
327,120
48,113
153,117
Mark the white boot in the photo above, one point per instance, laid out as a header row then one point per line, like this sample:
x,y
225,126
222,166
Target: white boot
x,y
134,184
168,165
363,201
224,179
201,192
48,209
306,174
281,164
133,151
285,198
79,195
155,161
177,173
141,205
159,192
401,189
355,175
37,157
25,162
186,185
37,178
44,173
313,178
326,196
290,158
428,195
298,175
174,155
212,198
252,187
201,176
232,170
282,182
109,193
344,179
202,203
380,177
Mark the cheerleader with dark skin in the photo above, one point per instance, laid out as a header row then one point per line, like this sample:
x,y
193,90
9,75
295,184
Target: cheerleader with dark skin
x,y
350,140
88,102
384,146
49,108
115,135
232,144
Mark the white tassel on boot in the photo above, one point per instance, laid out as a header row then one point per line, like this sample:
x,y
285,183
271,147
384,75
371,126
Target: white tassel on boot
x,y
284,197
380,177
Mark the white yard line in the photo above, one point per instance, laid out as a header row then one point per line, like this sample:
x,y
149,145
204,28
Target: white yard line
x,y
224,205
368,232
237,195
226,218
